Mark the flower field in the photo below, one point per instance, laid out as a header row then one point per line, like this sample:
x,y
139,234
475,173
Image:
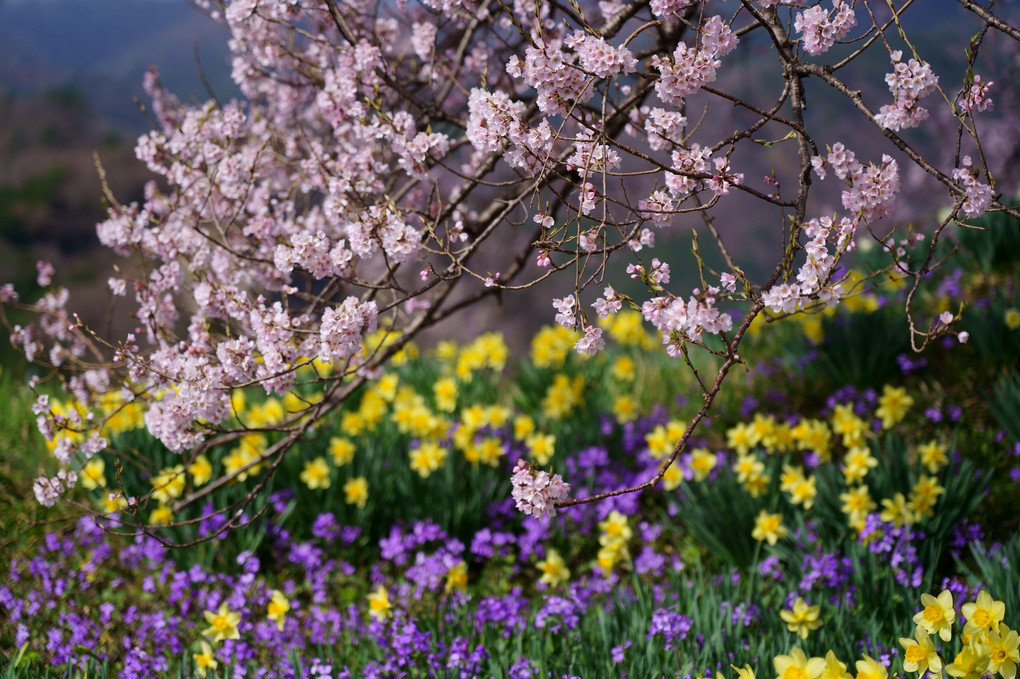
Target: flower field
x,y
846,508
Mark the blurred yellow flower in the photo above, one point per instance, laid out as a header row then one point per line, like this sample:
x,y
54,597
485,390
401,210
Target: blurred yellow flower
x,y
893,405
933,456
427,458
222,624
768,527
316,474
615,529
204,659
703,461
970,663
201,470
869,668
445,390
896,511
161,516
554,570
456,577
802,619
356,492
834,668
740,438
672,477
524,426
93,474
1012,318
341,450
857,463
168,484
803,492
625,408
857,503
277,608
622,369
798,666
113,502
541,447
379,604
747,467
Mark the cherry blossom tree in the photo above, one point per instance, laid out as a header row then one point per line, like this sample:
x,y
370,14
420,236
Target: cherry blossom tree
x,y
392,163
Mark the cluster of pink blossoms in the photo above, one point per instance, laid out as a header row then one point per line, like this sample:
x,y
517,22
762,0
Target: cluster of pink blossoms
x,y
979,194
664,128
814,276
537,492
977,98
908,83
598,57
873,188
342,328
677,319
690,69
668,9
820,31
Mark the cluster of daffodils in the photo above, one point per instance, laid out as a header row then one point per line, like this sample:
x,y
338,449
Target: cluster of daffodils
x,y
615,533
990,647
225,624
821,438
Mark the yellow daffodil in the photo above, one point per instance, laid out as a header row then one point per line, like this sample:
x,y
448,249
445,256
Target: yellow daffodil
x,y
938,614
896,511
768,527
672,477
379,604
445,391
541,447
857,503
982,615
316,474
524,426
201,470
834,668
456,577
933,456
920,654
869,668
739,438
970,663
341,450
703,461
1002,646
222,624
204,659
427,458
803,619
893,405
168,484
356,492
277,608
93,474
553,568
615,530
798,666
161,516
